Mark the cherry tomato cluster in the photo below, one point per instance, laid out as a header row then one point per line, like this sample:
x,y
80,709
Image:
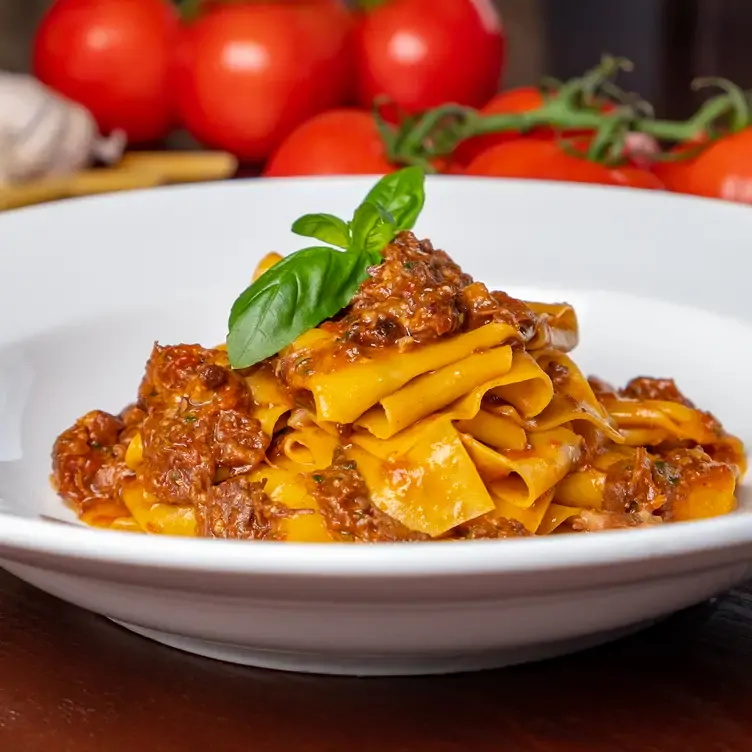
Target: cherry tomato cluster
x,y
241,75
323,87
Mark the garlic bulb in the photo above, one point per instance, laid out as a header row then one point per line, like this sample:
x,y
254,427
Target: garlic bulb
x,y
42,134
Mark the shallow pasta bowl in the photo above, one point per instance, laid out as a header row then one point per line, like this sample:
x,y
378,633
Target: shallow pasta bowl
x,y
660,287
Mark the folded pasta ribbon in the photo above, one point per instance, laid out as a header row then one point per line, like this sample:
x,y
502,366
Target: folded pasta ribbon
x,y
650,422
431,488
271,400
433,391
343,395
520,477
557,326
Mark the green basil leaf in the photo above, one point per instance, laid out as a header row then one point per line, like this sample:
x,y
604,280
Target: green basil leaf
x,y
402,194
372,227
295,295
325,227
246,296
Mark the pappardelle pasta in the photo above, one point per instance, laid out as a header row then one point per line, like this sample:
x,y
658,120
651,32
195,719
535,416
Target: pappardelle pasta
x,y
429,408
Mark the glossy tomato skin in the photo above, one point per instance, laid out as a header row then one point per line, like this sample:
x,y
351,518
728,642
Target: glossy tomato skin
x,y
114,57
247,75
336,142
421,57
545,160
723,170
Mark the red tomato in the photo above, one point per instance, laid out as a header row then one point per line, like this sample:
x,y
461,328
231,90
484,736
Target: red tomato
x,y
674,174
723,170
247,75
337,142
113,57
545,160
421,57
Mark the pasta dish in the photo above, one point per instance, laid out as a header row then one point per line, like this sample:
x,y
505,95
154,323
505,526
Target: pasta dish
x,y
422,407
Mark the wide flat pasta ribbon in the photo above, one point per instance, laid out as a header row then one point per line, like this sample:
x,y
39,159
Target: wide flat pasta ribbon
x,y
519,478
557,326
659,420
524,384
373,432
532,517
157,517
433,487
309,448
433,391
271,401
574,399
556,515
287,486
497,431
343,395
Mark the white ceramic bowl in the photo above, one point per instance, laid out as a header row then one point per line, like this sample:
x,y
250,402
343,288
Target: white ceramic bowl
x,y
661,286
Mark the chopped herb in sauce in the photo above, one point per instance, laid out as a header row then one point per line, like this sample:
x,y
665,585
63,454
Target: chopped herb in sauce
x,y
190,418
318,478
667,472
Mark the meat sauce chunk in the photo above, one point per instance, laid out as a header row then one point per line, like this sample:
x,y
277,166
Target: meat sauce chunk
x,y
644,388
88,460
419,295
194,416
238,508
345,505
198,423
644,490
490,528
631,486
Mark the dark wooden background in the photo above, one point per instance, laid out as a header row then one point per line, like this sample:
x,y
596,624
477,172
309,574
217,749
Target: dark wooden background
x,y
670,41
74,682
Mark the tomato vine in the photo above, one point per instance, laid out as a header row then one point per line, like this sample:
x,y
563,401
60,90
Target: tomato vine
x,y
577,104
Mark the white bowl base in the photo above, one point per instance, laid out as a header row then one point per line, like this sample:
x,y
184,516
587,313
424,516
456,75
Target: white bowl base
x,y
383,665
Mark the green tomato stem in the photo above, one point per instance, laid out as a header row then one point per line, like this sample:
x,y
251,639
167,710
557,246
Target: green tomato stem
x,y
577,105
189,9
366,5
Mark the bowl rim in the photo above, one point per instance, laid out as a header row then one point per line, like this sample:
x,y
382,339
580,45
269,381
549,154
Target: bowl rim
x,y
358,181
343,560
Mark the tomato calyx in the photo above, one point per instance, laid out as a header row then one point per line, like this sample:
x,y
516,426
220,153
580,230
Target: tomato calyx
x,y
367,5
190,9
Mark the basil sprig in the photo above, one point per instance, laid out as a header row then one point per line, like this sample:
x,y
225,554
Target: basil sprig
x,y
313,284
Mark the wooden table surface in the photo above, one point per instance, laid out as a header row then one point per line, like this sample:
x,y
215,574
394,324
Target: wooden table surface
x,y
71,681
